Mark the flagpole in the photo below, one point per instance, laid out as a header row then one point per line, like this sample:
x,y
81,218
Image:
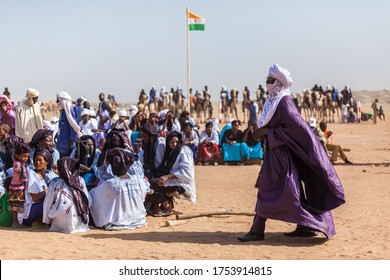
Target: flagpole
x,y
188,63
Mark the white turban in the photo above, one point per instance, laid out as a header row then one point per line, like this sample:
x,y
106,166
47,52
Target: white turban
x,y
32,93
122,113
47,124
277,91
63,95
280,74
85,111
65,102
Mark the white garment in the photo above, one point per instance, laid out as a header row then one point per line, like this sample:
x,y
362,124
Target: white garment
x,y
122,126
28,120
59,209
184,170
213,138
36,185
194,138
86,129
175,127
119,203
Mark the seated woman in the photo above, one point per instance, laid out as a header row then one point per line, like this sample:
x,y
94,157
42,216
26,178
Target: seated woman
x,y
190,138
137,121
168,123
208,145
118,203
67,202
116,138
231,143
103,127
176,177
250,146
38,181
153,149
43,138
88,155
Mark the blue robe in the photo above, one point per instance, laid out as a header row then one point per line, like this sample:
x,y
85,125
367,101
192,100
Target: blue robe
x,y
66,133
293,154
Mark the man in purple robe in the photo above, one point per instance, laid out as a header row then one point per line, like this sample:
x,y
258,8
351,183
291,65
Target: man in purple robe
x,y
297,182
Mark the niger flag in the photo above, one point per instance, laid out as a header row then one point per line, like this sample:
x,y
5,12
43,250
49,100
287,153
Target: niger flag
x,y
195,22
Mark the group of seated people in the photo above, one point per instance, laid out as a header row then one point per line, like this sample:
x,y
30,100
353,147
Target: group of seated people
x,y
207,145
113,188
136,172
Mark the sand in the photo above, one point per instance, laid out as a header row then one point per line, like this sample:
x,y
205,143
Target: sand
x,y
362,224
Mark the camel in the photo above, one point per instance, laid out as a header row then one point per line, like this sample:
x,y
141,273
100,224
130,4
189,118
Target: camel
x,y
245,103
224,107
207,106
307,104
180,104
198,107
162,101
192,102
233,103
142,101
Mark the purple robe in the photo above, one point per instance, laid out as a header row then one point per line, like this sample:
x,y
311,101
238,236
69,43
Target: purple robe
x,y
294,158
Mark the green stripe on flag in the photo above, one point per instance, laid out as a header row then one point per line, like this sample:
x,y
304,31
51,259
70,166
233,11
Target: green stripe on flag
x,y
196,26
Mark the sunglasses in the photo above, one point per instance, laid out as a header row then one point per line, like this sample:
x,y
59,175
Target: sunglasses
x,y
270,80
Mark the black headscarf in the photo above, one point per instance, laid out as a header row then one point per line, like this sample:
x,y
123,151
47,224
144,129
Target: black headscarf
x,y
40,135
10,149
68,169
149,148
116,138
120,161
82,151
170,156
21,148
45,153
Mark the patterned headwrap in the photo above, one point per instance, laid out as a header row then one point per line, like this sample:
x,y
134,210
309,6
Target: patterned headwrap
x,y
116,138
68,170
120,161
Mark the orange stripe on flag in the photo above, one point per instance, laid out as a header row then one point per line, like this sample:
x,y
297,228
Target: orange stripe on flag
x,y
192,15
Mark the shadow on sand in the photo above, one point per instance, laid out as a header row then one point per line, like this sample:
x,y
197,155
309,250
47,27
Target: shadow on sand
x,y
219,237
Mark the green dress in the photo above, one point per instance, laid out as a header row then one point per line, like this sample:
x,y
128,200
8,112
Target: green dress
x,y
5,214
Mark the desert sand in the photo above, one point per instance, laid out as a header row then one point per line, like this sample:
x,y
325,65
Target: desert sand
x,y
362,224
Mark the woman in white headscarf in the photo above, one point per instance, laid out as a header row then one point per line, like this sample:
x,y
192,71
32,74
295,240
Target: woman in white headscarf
x,y
69,130
297,182
28,116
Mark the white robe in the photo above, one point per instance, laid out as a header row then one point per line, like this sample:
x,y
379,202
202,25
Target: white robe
x,y
28,120
35,185
119,203
59,209
184,170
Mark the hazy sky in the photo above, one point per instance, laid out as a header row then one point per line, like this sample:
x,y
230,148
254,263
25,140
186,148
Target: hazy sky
x,y
123,46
